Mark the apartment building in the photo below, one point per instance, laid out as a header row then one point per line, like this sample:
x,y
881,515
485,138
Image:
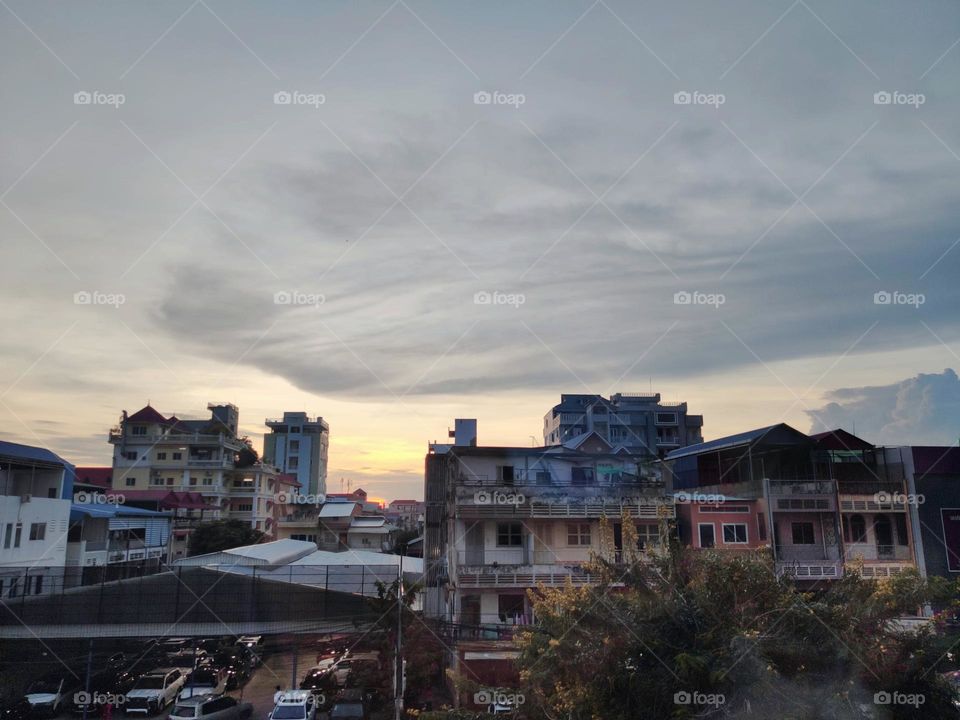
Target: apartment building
x,y
299,445
156,455
407,514
35,490
502,520
105,533
639,422
822,504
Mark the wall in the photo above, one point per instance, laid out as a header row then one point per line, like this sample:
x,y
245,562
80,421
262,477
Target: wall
x,y
49,551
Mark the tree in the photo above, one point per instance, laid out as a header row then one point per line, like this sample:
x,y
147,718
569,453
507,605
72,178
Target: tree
x,y
248,455
702,633
222,535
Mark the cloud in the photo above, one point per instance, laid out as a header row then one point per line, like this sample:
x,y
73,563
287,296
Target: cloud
x,y
921,410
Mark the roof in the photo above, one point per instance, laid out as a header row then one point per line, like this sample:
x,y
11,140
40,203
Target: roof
x,y
404,502
30,454
278,551
743,439
102,476
148,415
337,509
577,441
95,510
384,529
287,479
360,557
840,439
368,521
169,498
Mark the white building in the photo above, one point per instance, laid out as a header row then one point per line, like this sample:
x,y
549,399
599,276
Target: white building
x,y
35,487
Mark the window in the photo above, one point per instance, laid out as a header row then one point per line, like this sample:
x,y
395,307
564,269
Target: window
x,y
803,533
156,481
52,493
581,476
14,586
761,527
138,430
17,534
161,456
648,536
294,446
38,585
854,529
543,477
734,533
707,539
509,534
170,480
505,474
244,507
901,527
293,463
666,418
130,482
578,534
130,455
7,536
193,481
38,531
178,456
295,429
509,607
208,481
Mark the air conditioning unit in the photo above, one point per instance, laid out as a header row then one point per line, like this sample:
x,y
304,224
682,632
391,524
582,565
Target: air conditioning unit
x,y
26,498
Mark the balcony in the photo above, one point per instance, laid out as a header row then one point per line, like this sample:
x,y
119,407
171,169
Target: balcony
x,y
869,487
520,576
881,569
803,495
810,570
117,436
653,508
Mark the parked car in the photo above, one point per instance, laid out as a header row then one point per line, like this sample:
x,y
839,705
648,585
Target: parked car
x,y
187,658
154,691
209,680
211,707
350,705
295,705
318,681
236,662
51,693
953,679
111,685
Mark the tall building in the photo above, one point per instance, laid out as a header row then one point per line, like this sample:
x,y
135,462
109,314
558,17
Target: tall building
x,y
178,461
639,422
501,521
35,490
298,445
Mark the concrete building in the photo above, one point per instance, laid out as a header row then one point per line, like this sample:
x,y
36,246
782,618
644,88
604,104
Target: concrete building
x,y
298,445
502,520
639,422
103,534
407,514
35,490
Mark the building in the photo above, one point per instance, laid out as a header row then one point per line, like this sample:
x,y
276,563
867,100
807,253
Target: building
x,y
111,534
407,514
822,504
158,454
639,422
35,490
298,445
502,520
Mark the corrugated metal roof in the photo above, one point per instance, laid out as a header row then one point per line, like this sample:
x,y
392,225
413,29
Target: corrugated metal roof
x,y
30,453
78,510
337,509
730,441
274,553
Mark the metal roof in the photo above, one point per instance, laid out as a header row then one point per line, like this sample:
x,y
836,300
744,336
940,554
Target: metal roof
x,y
78,510
30,454
335,510
730,441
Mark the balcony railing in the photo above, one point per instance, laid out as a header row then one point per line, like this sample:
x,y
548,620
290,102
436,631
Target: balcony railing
x,y
869,487
802,487
118,436
653,510
546,480
522,576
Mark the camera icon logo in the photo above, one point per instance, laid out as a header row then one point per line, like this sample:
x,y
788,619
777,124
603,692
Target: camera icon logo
x,y
882,98
282,98
881,698
682,697
682,298
481,497
482,297
82,98
282,297
482,98
82,298
682,98
882,297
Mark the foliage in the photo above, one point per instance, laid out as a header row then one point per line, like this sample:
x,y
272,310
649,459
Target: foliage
x,y
656,630
222,535
248,455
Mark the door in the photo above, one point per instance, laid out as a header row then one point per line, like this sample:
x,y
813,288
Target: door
x,y
474,545
707,539
618,542
883,530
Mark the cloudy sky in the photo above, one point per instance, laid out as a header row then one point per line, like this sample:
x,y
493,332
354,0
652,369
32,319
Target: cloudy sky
x,y
305,206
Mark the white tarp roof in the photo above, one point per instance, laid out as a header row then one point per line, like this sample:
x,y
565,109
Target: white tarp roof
x,y
339,509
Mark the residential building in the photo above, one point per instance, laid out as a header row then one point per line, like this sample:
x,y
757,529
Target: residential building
x,y
639,422
372,532
35,487
206,457
407,514
502,520
104,533
298,445
821,503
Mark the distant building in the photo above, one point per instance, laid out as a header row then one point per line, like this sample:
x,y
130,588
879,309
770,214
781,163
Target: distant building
x,y
35,490
406,513
298,445
638,422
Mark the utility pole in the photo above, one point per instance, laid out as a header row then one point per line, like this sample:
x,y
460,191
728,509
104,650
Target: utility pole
x,y
398,691
86,683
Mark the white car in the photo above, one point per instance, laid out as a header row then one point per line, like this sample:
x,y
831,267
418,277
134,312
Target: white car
x,y
48,695
154,691
204,681
295,705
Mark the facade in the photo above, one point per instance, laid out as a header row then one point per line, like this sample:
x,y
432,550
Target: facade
x,y
639,422
502,520
407,514
158,454
298,445
103,534
822,504
35,490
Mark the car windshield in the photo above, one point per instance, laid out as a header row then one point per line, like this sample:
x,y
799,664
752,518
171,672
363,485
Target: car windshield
x,y
347,710
182,711
289,712
44,687
150,682
202,679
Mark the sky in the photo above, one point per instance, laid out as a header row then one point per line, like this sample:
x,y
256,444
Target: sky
x,y
392,214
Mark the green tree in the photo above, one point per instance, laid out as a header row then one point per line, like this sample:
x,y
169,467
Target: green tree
x,y
222,535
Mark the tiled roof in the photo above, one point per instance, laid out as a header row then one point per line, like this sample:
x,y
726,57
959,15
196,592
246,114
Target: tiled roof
x,y
148,415
102,476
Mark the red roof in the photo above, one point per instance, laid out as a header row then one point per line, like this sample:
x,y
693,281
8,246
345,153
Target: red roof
x,y
403,502
169,499
287,479
100,476
146,414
